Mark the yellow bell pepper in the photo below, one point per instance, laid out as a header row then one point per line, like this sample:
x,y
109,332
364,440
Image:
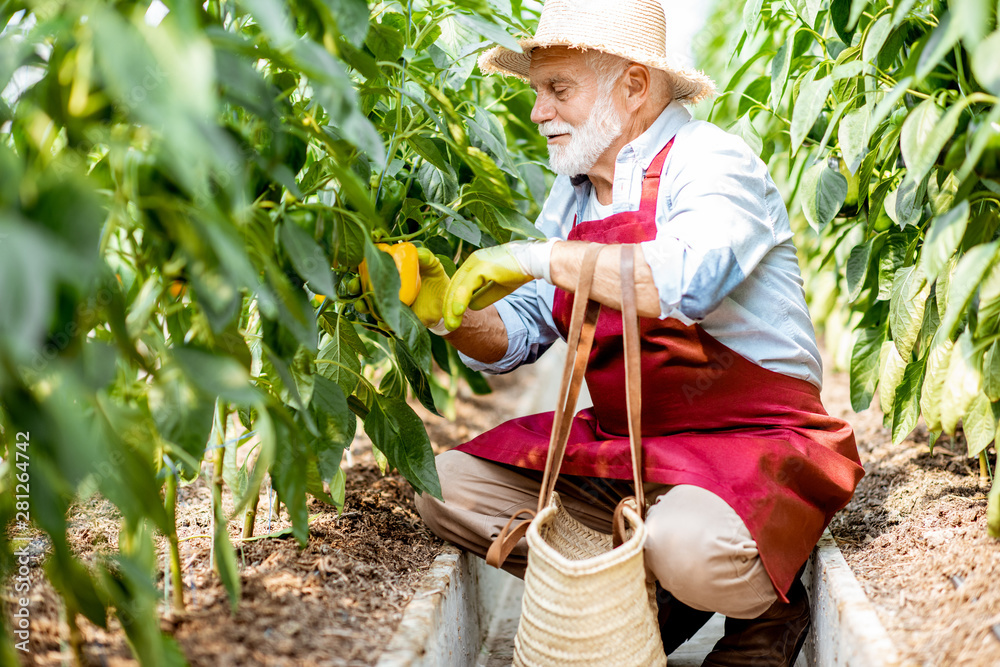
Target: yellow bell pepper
x,y
408,266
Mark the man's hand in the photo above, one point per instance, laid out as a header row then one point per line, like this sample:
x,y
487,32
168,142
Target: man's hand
x,y
434,282
491,274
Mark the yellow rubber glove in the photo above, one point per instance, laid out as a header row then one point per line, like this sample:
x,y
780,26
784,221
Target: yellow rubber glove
x,y
490,274
434,282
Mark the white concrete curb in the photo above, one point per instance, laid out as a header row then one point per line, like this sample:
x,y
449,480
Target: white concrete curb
x,y
465,615
441,623
846,631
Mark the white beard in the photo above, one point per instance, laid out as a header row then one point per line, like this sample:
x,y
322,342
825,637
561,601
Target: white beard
x,y
587,143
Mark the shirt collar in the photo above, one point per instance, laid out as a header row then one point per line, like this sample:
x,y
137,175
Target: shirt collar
x,y
647,145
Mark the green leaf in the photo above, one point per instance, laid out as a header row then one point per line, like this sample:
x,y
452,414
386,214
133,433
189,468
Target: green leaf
x,y
942,285
337,426
751,14
986,63
945,233
875,39
398,433
283,382
910,291
985,134
853,135
938,362
865,366
745,130
857,8
780,67
857,269
225,560
840,13
489,30
890,260
807,10
289,477
991,372
963,382
385,284
988,315
513,221
979,425
428,150
352,19
900,10
968,275
457,224
905,204
942,41
439,186
182,417
811,100
216,376
890,375
974,18
308,258
338,360
906,402
415,376
824,191
924,135
385,41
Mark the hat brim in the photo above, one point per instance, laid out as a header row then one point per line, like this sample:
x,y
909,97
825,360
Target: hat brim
x,y
690,87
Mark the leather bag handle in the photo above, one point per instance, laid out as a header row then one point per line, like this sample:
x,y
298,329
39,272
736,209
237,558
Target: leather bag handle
x,y
583,325
633,371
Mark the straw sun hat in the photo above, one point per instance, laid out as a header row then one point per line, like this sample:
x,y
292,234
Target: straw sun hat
x,y
635,30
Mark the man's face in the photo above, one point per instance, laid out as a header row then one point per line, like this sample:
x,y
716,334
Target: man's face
x,y
572,109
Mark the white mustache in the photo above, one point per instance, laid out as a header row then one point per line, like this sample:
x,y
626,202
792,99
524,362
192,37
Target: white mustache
x,y
552,128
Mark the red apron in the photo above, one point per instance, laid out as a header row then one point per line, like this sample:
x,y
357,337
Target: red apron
x,y
759,439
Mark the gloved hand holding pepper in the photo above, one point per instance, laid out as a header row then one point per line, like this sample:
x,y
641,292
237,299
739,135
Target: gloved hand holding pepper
x,y
490,274
434,282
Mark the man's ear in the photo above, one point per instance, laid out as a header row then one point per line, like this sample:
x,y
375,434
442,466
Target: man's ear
x,y
638,84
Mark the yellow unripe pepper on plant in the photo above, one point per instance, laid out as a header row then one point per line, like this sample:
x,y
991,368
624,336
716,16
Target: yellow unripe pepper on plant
x,y
407,264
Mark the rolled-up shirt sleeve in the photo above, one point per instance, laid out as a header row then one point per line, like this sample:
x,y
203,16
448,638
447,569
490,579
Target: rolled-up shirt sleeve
x,y
527,316
719,227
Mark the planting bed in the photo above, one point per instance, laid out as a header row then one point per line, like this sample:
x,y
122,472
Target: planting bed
x,y
915,536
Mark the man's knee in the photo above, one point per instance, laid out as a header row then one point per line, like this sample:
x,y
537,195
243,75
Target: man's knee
x,y
449,468
700,551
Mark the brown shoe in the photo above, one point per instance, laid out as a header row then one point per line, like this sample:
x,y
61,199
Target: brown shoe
x,y
678,622
773,639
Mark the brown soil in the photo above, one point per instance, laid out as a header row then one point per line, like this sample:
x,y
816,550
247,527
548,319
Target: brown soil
x,y
336,602
915,536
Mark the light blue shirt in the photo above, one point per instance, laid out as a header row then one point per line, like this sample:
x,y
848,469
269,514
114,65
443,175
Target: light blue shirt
x,y
722,257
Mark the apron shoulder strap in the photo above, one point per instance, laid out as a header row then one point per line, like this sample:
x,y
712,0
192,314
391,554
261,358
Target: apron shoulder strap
x,y
651,182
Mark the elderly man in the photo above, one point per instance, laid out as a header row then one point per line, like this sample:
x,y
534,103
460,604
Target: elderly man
x,y
743,467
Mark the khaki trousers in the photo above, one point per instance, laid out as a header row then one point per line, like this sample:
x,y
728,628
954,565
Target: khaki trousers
x,y
697,547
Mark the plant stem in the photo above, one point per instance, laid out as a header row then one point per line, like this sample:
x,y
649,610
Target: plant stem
x,y
75,637
984,465
175,554
250,517
219,459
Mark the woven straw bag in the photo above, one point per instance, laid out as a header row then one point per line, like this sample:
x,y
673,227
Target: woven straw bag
x,y
586,599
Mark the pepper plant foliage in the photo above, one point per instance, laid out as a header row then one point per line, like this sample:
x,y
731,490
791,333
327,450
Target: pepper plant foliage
x,y
183,207
881,122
